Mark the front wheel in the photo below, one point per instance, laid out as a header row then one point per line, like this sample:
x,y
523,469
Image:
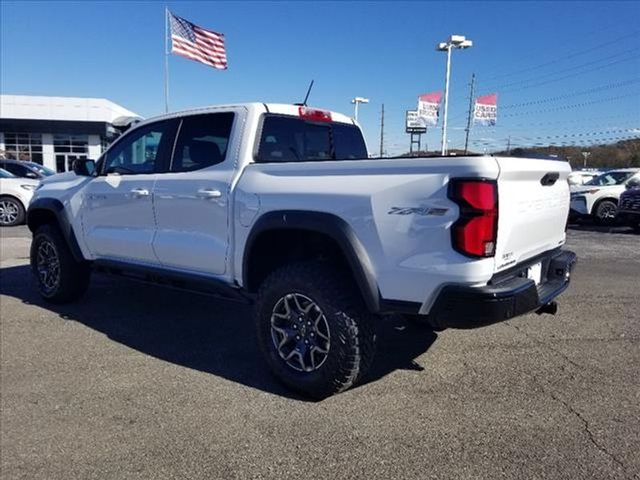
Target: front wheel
x,y
11,212
313,329
59,276
606,212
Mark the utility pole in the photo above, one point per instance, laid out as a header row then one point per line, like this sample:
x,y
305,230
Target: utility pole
x,y
585,155
509,145
468,129
382,132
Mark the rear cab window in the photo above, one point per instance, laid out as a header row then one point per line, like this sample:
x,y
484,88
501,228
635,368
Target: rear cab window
x,y
290,139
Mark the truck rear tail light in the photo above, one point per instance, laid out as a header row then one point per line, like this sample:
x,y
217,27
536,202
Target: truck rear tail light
x,y
314,115
475,233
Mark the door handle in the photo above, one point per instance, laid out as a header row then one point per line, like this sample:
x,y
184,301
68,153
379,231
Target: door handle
x,y
549,179
140,192
207,193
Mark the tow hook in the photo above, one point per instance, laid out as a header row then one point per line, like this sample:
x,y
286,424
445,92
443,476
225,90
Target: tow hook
x,y
551,307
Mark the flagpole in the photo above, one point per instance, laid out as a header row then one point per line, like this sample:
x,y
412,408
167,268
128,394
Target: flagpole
x,y
166,60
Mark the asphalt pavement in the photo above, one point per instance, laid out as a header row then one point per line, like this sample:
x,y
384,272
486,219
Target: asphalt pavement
x,y
137,381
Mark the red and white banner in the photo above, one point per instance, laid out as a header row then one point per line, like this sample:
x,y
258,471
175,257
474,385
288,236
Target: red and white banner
x,y
429,108
485,111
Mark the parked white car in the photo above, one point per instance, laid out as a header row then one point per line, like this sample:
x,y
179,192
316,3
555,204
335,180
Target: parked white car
x,y
15,195
580,177
598,198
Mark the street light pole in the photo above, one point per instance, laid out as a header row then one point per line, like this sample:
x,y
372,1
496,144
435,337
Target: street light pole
x,y
356,101
446,101
454,41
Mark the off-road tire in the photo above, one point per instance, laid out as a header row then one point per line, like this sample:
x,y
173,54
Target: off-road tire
x,y
73,275
17,204
351,327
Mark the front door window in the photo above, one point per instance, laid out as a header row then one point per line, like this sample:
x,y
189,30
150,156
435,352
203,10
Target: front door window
x,y
138,153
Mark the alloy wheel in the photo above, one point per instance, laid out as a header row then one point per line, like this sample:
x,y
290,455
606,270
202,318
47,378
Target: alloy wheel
x,y
607,211
48,266
300,332
8,212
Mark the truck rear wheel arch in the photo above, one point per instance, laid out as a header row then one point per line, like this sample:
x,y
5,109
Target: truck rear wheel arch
x,y
50,211
286,236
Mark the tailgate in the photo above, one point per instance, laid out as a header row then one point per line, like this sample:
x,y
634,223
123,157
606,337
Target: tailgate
x,y
533,196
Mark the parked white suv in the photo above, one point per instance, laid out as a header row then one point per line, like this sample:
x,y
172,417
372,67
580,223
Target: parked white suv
x,y
15,195
598,198
580,177
280,206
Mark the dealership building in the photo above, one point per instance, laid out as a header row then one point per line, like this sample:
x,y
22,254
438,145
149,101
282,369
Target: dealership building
x,y
55,131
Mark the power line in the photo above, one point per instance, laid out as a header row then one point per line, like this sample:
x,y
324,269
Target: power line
x,y
635,116
597,89
565,57
580,142
575,105
506,86
600,88
635,130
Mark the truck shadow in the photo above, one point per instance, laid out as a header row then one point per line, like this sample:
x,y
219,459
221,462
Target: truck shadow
x,y
196,331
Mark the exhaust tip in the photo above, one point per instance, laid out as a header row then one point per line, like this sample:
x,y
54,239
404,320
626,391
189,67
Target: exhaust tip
x,y
550,308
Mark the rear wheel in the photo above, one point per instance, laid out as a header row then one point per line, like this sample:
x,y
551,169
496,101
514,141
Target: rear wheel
x,y
606,212
11,212
59,276
313,329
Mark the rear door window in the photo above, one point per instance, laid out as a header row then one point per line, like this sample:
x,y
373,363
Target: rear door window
x,y
290,139
202,141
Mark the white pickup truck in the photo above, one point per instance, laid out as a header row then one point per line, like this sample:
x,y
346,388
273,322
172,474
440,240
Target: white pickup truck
x,y
280,205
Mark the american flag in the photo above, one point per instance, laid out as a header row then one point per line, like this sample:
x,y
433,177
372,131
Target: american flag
x,y
197,43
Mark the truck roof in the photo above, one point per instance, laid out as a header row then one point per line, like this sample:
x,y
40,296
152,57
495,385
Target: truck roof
x,y
277,108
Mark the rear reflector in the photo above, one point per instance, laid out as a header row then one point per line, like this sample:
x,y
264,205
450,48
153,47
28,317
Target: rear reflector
x,y
475,233
314,115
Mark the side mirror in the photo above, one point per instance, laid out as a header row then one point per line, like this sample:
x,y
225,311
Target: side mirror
x,y
31,175
84,167
633,183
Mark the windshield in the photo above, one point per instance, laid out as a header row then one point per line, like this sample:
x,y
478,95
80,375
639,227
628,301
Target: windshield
x,y
5,174
42,170
610,178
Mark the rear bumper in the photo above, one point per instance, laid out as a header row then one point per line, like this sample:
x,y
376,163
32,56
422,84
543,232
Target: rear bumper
x,y
460,306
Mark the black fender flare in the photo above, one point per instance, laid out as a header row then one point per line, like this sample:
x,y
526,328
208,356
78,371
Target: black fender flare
x,y
333,227
53,206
